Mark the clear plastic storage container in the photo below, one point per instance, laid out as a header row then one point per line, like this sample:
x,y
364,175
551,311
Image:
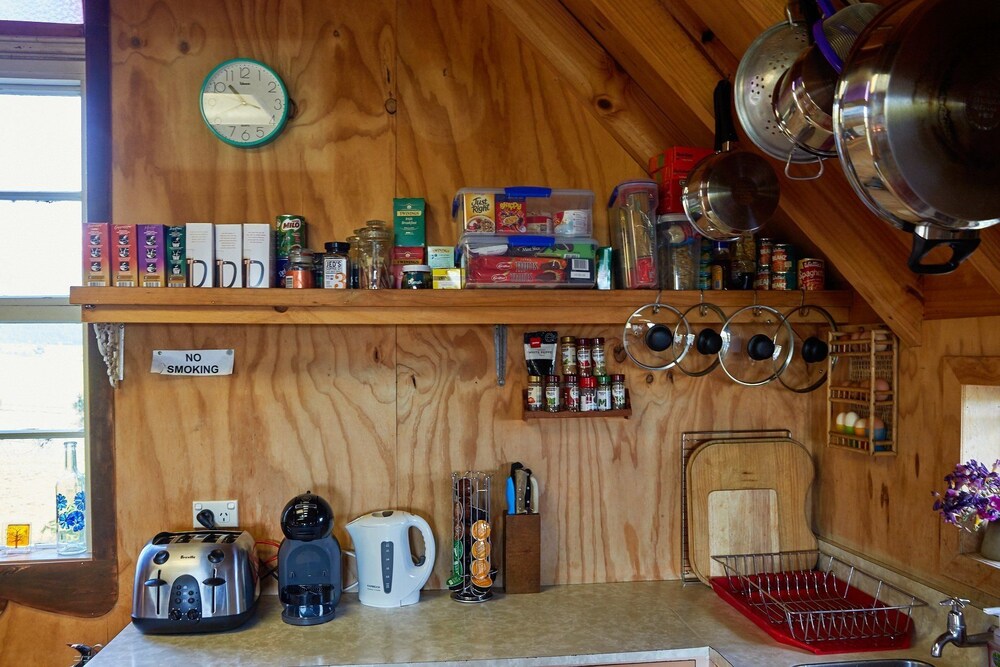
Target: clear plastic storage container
x,y
524,210
632,221
528,261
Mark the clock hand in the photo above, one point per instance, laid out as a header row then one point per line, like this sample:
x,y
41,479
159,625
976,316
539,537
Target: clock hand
x,y
243,100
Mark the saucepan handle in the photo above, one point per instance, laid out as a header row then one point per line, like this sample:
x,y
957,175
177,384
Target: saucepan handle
x,y
961,247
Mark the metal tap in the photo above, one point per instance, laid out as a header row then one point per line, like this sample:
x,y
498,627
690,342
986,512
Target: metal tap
x,y
956,629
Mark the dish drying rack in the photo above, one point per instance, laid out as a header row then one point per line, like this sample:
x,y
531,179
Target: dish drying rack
x,y
816,602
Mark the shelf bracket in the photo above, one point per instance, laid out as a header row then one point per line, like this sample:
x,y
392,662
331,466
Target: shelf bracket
x,y
111,344
500,352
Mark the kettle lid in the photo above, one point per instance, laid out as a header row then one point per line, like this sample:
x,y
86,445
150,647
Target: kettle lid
x,y
382,518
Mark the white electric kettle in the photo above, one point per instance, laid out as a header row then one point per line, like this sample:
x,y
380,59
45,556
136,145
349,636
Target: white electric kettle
x,y
388,575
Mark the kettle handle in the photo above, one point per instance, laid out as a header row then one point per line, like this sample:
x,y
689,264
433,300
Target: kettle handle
x,y
430,551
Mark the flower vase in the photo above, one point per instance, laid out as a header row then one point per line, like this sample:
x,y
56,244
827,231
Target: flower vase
x,y
71,507
990,548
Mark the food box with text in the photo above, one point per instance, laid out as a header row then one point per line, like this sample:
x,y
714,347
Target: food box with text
x,y
524,211
528,261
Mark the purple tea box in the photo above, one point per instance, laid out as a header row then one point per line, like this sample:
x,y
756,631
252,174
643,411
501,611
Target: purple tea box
x,y
97,254
152,255
123,249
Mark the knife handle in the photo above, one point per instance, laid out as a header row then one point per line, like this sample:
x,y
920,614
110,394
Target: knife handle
x,y
534,494
511,506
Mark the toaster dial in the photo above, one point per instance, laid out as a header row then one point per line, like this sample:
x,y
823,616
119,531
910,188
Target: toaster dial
x,y
185,599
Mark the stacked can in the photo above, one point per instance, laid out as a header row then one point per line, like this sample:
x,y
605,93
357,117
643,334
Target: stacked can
x,y
783,270
289,235
705,264
764,249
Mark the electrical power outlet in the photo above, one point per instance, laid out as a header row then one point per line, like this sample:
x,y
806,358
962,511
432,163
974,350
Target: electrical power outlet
x,y
225,512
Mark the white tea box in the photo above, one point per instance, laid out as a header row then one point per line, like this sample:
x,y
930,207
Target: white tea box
x,y
258,254
200,247
229,255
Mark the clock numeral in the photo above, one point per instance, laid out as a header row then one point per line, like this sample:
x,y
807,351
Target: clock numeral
x,y
272,87
244,72
277,105
229,74
245,136
232,131
272,120
260,132
219,87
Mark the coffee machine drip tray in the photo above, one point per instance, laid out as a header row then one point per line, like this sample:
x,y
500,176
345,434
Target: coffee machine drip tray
x,y
310,604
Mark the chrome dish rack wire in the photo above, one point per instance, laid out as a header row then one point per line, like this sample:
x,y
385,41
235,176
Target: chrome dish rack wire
x,y
813,597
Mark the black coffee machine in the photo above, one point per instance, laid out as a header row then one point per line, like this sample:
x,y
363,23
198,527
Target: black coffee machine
x,y
309,572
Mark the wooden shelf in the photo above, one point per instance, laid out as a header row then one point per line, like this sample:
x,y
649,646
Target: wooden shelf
x,y
472,306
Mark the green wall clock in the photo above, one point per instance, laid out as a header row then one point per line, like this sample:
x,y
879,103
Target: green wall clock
x,y
244,103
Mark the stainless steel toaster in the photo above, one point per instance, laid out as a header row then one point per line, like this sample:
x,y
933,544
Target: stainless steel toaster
x,y
195,581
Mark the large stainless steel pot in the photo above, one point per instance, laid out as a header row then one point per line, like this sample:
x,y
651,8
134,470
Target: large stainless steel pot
x,y
917,122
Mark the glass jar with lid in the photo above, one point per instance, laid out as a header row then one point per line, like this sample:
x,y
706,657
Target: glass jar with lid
x,y
354,261
375,242
301,272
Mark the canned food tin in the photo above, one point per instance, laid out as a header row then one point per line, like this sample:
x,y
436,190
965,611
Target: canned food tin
x,y
812,274
763,279
764,248
779,281
782,258
290,234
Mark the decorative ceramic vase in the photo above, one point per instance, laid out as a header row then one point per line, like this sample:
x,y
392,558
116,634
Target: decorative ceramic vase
x,y
990,548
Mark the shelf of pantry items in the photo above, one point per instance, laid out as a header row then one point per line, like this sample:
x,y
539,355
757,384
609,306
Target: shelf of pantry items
x,y
473,306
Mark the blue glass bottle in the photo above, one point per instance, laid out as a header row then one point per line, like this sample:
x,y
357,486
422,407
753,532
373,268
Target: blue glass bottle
x,y
71,506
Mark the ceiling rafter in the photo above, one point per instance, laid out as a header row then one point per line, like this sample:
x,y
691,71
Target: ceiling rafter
x,y
678,78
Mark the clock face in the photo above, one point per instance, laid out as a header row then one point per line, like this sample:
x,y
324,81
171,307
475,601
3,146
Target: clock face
x,y
244,102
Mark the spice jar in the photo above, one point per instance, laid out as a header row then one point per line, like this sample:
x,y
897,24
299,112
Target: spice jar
x,y
617,392
597,356
552,391
603,393
571,393
536,396
300,269
354,262
416,276
568,355
584,362
335,266
588,394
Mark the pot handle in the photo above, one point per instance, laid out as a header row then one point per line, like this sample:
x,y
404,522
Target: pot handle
x,y
812,177
961,247
725,129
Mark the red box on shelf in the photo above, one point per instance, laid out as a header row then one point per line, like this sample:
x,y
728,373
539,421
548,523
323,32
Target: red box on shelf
x,y
669,169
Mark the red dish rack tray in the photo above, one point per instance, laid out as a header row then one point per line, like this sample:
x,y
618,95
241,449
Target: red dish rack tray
x,y
816,602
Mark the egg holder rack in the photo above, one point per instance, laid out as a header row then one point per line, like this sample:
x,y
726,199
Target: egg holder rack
x,y
868,357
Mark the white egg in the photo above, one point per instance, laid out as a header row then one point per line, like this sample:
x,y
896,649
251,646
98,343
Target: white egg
x,y
840,422
849,420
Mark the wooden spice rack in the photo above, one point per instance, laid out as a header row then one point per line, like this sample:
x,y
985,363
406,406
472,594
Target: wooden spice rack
x,y
861,356
527,414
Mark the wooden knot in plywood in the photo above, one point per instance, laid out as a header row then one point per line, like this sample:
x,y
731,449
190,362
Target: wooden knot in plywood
x,y
605,104
281,309
390,106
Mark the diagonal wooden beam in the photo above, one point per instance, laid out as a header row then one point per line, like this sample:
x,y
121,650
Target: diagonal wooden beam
x,y
650,45
632,118
986,259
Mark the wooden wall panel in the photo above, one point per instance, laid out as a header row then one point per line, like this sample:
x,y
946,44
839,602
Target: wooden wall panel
x,y
882,507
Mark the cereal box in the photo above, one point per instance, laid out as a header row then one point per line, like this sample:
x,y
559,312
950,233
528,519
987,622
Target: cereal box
x,y
510,216
479,212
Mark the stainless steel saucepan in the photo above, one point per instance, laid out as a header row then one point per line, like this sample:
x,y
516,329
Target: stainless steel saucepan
x,y
917,122
730,192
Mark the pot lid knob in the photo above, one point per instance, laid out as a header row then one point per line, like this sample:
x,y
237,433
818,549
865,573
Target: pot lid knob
x,y
708,342
760,347
814,350
659,337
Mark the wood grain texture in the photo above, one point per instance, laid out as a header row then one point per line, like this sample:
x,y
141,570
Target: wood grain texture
x,y
679,78
781,469
883,507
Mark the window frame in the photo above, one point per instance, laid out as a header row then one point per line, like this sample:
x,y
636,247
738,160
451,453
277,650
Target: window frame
x,y
94,580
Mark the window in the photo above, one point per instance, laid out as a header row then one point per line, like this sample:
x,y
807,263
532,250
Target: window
x,y
42,398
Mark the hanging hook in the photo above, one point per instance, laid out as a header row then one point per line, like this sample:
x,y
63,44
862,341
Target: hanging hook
x,y
656,304
756,306
803,308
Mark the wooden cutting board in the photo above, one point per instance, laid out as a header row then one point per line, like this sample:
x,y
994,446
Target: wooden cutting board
x,y
747,497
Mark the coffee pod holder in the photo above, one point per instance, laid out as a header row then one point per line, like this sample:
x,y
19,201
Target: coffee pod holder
x,y
472,573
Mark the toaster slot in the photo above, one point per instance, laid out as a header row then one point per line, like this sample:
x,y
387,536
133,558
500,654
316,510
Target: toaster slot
x,y
156,583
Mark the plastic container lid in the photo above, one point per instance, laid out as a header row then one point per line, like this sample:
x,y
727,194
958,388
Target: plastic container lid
x,y
418,268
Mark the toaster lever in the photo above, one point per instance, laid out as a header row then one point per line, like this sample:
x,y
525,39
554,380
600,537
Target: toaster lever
x,y
214,581
156,582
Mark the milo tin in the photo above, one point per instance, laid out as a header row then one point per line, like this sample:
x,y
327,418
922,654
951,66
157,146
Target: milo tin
x,y
812,274
289,235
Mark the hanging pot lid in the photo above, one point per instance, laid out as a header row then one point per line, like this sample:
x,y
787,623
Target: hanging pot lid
x,y
650,334
704,341
808,368
757,345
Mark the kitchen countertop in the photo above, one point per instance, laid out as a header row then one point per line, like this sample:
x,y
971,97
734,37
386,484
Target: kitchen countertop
x,y
581,624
